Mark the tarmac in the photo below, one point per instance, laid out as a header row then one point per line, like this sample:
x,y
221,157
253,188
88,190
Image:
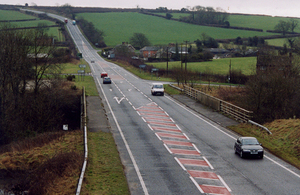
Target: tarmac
x,y
97,118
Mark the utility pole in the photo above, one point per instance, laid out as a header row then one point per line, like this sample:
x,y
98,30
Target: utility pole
x,y
181,55
186,50
167,61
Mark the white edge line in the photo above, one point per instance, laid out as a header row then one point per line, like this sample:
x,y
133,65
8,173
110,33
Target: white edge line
x,y
197,185
275,162
226,186
186,136
208,163
157,136
178,127
196,148
126,145
180,163
168,149
150,127
144,119
138,113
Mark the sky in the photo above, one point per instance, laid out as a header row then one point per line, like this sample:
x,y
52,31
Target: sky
x,y
287,8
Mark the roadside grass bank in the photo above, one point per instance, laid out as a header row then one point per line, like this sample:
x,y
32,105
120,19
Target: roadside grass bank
x,y
284,142
105,172
46,164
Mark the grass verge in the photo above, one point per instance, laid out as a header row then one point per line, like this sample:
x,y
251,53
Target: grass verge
x,y
104,174
47,164
284,141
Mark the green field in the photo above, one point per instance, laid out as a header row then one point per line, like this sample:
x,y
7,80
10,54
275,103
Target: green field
x,y
218,66
264,22
120,26
15,15
257,21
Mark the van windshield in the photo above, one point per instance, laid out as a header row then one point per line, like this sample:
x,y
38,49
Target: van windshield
x,y
158,86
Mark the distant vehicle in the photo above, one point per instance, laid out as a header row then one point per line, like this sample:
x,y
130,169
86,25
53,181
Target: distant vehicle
x,y
106,80
74,22
103,74
66,20
157,89
248,146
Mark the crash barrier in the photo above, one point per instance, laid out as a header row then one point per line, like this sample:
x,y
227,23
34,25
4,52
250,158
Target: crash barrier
x,y
263,127
84,126
235,112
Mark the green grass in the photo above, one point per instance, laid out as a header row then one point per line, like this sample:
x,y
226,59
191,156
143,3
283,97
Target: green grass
x,y
217,66
81,81
120,26
104,173
257,21
13,15
284,141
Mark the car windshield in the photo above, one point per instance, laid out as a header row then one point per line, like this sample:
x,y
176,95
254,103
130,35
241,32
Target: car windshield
x,y
158,86
250,142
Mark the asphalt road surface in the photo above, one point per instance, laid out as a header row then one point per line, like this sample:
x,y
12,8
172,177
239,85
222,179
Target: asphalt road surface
x,y
167,148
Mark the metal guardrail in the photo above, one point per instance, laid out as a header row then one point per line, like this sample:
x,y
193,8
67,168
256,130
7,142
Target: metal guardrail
x,y
84,125
236,112
263,127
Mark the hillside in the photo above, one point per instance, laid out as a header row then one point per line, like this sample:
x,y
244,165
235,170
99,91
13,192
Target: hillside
x,y
120,26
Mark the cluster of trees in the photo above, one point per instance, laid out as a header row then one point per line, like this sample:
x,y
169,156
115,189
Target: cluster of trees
x,y
139,40
94,35
251,41
206,16
286,26
30,97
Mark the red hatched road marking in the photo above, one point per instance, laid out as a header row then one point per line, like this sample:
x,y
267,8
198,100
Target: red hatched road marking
x,y
214,189
158,115
171,135
178,143
184,152
203,174
143,110
165,129
164,124
193,162
158,119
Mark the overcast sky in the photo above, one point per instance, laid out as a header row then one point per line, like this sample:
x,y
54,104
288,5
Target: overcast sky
x,y
268,7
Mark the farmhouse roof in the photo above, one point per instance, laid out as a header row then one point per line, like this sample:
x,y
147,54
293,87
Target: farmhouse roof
x,y
150,48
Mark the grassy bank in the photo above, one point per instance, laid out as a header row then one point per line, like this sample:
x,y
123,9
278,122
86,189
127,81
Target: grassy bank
x,y
104,173
284,141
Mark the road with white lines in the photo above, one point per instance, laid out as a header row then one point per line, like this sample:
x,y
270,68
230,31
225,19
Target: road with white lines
x,y
168,149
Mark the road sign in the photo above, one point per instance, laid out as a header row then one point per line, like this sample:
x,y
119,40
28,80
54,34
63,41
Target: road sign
x,y
82,65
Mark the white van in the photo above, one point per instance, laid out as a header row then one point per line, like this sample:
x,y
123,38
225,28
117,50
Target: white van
x,y
157,89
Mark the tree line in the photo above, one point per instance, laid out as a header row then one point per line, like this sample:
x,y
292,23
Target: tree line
x,y
32,97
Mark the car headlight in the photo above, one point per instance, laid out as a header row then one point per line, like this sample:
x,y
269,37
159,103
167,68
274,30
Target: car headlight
x,y
246,150
261,150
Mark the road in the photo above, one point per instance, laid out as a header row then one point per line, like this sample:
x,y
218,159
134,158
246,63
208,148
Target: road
x,y
167,148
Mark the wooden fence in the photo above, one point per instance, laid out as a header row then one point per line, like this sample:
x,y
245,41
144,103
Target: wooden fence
x,y
235,112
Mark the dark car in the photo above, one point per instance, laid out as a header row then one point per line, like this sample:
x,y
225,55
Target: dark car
x,y
106,80
248,147
103,74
